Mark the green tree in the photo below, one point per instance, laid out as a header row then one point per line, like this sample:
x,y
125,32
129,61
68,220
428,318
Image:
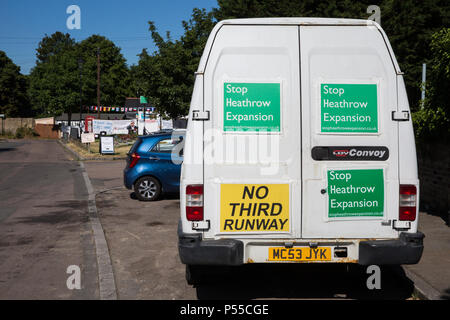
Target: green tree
x,y
433,120
114,79
52,45
439,79
232,9
410,24
54,84
13,86
167,75
62,63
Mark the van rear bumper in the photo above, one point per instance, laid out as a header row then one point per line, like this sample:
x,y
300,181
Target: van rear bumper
x,y
193,250
405,250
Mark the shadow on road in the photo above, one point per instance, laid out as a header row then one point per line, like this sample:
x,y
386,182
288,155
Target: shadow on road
x,y
167,196
10,146
303,281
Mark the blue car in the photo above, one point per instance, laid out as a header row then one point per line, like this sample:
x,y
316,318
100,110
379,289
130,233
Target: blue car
x,y
154,165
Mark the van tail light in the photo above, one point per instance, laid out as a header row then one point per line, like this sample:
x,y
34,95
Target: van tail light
x,y
134,159
408,202
194,202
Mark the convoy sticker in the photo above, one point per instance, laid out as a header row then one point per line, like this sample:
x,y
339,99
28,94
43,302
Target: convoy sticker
x,y
349,108
350,153
355,193
254,208
251,107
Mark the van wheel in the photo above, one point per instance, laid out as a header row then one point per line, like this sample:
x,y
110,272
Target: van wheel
x,y
191,274
147,189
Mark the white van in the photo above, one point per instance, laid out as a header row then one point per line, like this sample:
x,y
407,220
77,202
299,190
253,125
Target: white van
x,y
299,148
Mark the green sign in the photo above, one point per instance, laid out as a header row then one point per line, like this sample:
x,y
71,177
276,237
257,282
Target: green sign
x,y
355,193
349,107
143,99
251,107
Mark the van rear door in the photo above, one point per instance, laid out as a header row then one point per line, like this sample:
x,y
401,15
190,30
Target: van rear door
x,y
350,142
252,143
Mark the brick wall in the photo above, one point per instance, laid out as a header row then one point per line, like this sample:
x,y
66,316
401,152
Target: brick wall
x,y
48,131
434,174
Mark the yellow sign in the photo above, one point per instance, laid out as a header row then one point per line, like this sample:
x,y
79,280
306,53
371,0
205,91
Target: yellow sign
x,y
300,254
254,208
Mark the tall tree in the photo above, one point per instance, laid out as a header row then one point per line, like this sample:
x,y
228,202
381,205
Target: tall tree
x,y
410,25
52,45
167,75
54,84
113,71
432,122
55,80
439,79
232,9
13,87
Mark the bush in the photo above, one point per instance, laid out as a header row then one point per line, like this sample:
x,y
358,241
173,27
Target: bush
x,y
431,124
23,132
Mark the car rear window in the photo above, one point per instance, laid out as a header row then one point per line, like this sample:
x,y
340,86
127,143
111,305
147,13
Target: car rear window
x,y
166,145
135,146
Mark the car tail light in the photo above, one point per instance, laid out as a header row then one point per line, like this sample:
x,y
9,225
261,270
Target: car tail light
x,y
408,202
134,159
194,202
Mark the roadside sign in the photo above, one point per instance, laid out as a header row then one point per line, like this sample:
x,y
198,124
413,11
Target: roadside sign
x,y
87,137
349,108
252,107
106,145
355,193
254,208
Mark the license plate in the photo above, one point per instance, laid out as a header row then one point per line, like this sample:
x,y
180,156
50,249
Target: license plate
x,y
300,254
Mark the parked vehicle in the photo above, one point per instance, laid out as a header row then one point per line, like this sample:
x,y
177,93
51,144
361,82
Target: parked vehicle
x,y
344,184
153,165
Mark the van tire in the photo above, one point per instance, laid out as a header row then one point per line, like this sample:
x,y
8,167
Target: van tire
x,y
147,189
200,274
193,274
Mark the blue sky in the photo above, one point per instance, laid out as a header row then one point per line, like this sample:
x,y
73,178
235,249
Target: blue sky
x,y
23,23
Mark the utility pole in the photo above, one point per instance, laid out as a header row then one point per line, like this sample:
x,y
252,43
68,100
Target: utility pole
x,y
424,82
98,82
80,66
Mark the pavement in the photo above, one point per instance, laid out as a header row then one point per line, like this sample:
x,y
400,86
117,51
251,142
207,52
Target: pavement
x,y
431,276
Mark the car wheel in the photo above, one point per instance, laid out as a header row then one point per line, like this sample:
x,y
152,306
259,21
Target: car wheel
x,y
147,189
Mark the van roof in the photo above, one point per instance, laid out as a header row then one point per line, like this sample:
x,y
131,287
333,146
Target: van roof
x,y
300,21
295,21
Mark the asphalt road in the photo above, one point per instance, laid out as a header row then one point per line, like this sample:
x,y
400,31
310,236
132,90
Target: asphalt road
x,y
43,223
